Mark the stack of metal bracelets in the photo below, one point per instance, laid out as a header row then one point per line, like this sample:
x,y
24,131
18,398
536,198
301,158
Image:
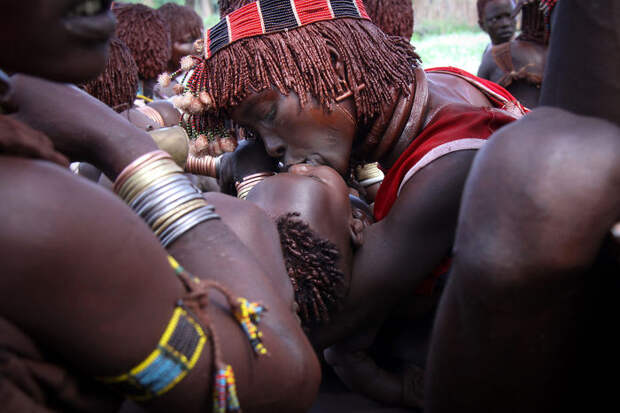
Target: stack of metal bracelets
x,y
244,186
205,165
156,189
369,174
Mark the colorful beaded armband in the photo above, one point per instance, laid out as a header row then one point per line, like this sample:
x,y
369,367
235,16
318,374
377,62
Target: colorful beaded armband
x,y
248,315
176,354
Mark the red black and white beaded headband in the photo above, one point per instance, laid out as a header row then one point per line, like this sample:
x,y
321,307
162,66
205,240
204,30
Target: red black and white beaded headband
x,y
270,16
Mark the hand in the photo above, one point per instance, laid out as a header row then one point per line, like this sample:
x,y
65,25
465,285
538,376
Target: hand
x,y
14,133
81,127
249,158
360,373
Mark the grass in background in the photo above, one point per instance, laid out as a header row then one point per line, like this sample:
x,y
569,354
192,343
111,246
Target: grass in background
x,y
443,43
463,50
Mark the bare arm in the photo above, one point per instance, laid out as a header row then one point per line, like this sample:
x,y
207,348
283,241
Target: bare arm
x,y
79,256
540,200
403,249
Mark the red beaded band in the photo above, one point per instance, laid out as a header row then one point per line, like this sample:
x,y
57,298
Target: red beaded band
x,y
271,16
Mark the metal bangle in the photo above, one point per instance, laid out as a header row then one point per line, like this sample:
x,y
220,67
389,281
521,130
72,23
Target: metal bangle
x,y
371,181
152,216
137,200
197,219
162,198
147,176
166,220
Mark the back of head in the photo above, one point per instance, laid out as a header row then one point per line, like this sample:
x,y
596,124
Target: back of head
x,y
118,84
147,35
394,17
181,20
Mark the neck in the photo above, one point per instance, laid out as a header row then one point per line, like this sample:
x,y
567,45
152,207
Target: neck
x,y
399,125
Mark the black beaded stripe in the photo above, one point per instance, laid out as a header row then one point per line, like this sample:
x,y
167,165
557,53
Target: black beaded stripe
x,y
218,36
277,15
184,338
344,8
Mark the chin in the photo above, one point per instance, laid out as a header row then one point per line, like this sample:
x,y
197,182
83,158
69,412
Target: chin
x,y
78,69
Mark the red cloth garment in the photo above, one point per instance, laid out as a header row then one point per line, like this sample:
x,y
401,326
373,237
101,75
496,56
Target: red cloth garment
x,y
454,128
500,97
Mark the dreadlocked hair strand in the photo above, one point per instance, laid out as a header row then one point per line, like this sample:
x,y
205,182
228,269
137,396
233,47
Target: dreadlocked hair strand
x,y
394,17
118,84
147,35
299,61
181,20
311,263
533,23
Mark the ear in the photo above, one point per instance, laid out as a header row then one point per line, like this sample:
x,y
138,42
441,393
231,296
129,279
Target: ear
x,y
357,224
337,62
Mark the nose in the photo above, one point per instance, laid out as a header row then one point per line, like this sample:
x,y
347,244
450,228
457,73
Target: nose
x,y
300,169
274,146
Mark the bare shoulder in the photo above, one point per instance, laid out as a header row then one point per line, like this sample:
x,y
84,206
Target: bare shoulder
x,y
545,188
551,143
52,216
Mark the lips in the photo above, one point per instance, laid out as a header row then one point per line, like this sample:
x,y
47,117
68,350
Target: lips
x,y
90,20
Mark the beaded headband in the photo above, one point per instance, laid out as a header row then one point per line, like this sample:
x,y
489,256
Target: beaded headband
x,y
271,16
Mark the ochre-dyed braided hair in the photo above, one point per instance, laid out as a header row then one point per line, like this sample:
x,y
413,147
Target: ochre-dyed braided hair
x,y
394,17
147,35
311,263
181,20
228,6
118,84
534,25
300,61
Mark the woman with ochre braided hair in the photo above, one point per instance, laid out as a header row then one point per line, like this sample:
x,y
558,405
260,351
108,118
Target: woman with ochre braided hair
x,y
318,83
185,28
147,34
96,309
117,87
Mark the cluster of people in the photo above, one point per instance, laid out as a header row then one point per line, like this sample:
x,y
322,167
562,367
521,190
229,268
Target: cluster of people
x,y
286,212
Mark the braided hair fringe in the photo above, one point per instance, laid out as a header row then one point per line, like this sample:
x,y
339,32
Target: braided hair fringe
x,y
300,61
394,17
118,84
147,35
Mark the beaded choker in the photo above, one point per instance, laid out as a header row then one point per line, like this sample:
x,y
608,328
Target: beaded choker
x,y
271,16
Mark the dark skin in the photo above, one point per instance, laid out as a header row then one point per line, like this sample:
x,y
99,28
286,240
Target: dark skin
x,y
419,229
530,57
290,135
60,219
181,48
526,315
497,21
